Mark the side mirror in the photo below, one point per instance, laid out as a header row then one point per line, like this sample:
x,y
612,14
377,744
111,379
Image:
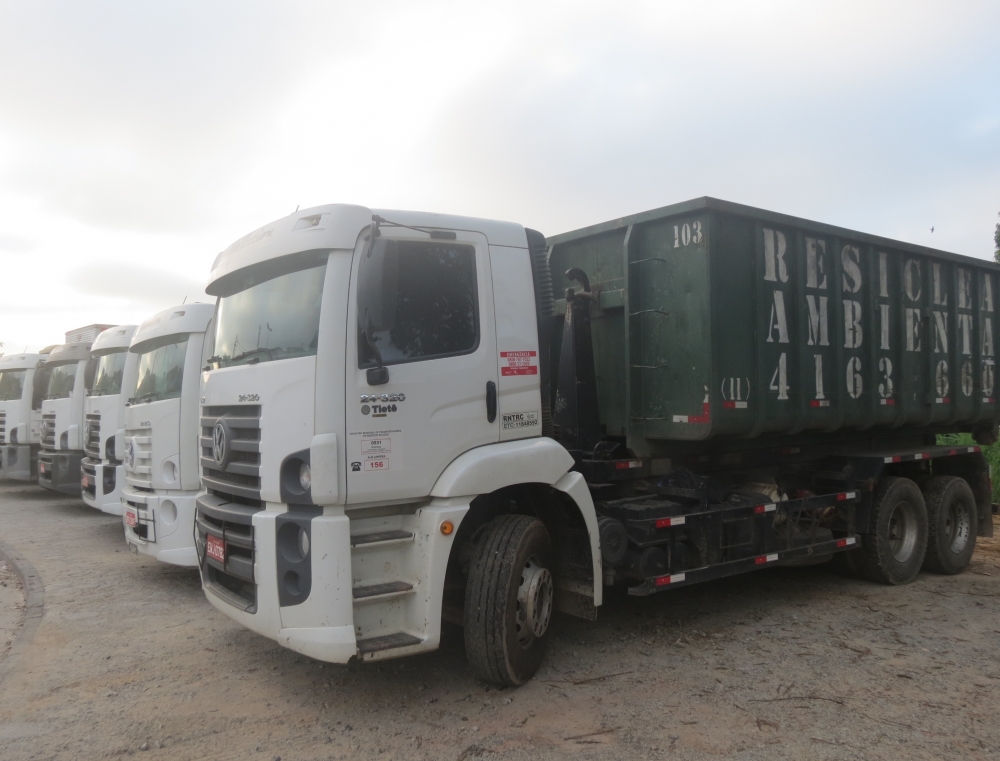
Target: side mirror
x,y
378,285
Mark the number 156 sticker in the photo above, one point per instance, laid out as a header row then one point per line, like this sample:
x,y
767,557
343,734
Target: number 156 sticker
x,y
377,462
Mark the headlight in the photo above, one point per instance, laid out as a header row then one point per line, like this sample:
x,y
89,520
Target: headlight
x,y
305,476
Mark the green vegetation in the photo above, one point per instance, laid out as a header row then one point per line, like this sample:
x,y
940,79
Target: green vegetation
x,y
992,453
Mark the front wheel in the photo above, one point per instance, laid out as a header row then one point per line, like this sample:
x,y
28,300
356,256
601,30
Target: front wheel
x,y
509,600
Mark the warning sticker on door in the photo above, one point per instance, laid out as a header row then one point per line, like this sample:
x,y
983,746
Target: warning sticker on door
x,y
519,363
514,420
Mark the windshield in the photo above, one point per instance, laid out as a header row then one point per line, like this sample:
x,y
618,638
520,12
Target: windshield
x,y
108,375
62,380
11,384
161,371
276,319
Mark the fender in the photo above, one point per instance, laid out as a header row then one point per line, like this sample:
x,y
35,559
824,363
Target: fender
x,y
485,469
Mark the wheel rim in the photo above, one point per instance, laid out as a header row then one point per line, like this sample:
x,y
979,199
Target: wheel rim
x,y
534,601
903,531
958,526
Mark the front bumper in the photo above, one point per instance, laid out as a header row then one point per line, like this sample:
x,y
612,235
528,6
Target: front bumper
x,y
165,521
311,604
60,470
245,587
19,462
102,485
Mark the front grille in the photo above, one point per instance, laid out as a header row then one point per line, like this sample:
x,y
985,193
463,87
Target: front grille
x,y
3,427
92,446
140,475
239,472
232,522
49,430
89,470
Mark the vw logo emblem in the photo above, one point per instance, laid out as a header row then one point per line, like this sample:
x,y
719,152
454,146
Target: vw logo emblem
x,y
219,443
130,454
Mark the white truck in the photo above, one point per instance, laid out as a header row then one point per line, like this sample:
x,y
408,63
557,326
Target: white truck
x,y
71,372
339,467
102,471
161,431
402,422
23,383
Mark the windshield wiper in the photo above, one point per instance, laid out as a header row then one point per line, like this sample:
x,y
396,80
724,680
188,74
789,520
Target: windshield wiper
x,y
250,353
149,396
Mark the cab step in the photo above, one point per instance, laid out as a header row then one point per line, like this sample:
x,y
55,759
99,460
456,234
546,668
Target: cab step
x,y
381,537
387,642
384,589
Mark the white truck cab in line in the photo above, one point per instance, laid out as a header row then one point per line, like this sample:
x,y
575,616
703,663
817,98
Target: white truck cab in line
x,y
70,375
23,383
371,434
102,472
161,430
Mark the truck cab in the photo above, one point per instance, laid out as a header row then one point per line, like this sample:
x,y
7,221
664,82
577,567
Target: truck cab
x,y
70,375
160,419
102,471
23,383
374,382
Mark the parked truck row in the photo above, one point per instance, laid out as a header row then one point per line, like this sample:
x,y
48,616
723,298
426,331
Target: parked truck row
x,y
389,420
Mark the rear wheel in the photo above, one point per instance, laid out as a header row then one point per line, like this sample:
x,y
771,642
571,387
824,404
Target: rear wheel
x,y
893,550
951,520
509,600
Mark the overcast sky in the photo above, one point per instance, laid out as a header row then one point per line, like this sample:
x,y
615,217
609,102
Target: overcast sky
x,y
138,139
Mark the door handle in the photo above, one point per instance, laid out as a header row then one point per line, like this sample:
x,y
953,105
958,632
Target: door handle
x,y
491,401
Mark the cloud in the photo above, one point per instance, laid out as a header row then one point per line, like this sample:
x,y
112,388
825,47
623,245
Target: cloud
x,y
136,284
11,244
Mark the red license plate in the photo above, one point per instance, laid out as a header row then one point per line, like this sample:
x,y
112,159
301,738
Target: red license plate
x,y
131,518
215,548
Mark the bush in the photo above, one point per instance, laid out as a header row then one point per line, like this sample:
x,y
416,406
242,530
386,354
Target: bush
x,y
992,453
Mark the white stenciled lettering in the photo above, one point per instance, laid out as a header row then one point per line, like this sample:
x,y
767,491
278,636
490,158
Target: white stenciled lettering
x,y
911,279
850,261
854,383
885,387
883,310
940,294
883,275
967,378
964,289
818,364
987,294
819,329
815,275
941,384
775,247
779,381
965,333
778,319
941,332
988,376
987,337
852,324
912,329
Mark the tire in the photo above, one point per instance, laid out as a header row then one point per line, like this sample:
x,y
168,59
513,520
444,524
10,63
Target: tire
x,y
508,600
893,550
951,523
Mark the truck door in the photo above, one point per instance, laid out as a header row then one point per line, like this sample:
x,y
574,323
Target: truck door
x,y
434,328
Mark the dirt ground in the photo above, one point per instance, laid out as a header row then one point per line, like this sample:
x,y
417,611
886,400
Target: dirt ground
x,y
780,664
11,609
